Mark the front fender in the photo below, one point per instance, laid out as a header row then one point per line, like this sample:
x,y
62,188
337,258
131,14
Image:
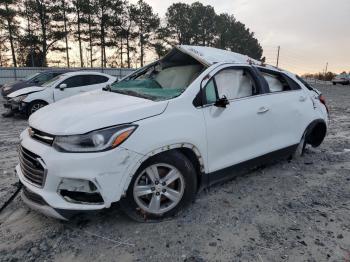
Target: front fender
x,y
159,150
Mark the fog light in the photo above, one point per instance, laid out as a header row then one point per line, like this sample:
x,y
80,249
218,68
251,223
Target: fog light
x,y
79,191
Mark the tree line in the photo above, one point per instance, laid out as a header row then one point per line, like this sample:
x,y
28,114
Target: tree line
x,y
112,33
328,76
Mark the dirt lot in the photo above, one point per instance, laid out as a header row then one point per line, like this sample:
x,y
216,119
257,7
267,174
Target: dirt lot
x,y
289,211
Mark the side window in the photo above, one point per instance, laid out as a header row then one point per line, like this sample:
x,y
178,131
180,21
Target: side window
x,y
42,78
293,85
73,81
85,80
235,83
97,79
210,92
278,82
57,74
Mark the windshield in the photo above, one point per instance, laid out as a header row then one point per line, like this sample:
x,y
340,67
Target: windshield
x,y
27,78
157,82
52,80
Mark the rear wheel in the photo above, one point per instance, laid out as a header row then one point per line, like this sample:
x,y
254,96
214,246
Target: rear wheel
x,y
162,187
35,106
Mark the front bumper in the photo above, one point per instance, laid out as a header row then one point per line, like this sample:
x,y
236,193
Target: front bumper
x,y
109,171
14,106
3,92
42,208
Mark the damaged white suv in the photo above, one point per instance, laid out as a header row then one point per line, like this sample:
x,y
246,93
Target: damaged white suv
x,y
196,117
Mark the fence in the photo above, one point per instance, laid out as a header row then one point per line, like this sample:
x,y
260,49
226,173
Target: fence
x,y
9,74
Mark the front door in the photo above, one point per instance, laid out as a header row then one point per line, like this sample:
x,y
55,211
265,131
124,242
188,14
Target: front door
x,y
74,85
237,132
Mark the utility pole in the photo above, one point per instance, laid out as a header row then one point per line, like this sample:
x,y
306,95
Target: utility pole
x,y
278,56
325,72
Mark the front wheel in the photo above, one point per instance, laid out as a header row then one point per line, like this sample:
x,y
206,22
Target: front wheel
x,y
161,187
35,106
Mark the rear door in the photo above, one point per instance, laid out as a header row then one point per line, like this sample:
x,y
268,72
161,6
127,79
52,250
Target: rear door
x,y
239,131
289,109
94,82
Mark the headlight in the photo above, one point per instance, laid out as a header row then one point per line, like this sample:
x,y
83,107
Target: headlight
x,y
6,88
95,141
19,98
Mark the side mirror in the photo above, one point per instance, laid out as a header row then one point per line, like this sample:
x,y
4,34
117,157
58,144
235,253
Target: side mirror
x,y
107,88
222,102
62,86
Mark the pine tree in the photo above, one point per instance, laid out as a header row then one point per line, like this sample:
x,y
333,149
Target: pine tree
x,y
44,20
147,22
78,9
10,24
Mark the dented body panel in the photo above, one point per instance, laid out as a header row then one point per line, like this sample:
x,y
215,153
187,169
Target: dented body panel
x,y
106,170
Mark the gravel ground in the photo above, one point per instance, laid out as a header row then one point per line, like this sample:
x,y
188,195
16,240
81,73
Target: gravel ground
x,y
289,211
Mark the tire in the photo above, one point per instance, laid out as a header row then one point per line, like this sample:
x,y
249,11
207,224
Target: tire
x,y
334,83
148,198
300,150
34,106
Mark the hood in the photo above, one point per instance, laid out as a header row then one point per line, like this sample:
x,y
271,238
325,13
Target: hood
x,y
14,83
25,91
14,86
93,110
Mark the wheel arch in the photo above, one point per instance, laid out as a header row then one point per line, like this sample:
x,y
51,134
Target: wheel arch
x,y
316,132
187,149
38,100
29,104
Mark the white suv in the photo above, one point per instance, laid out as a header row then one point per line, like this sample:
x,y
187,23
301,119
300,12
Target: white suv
x,y
196,117
30,99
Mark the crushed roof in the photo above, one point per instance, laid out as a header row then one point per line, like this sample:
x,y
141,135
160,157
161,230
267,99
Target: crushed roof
x,y
211,55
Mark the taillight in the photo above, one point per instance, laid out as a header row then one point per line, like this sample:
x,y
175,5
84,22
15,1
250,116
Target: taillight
x,y
323,101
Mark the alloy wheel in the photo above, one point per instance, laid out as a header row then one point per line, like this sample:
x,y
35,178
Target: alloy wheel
x,y
36,107
159,188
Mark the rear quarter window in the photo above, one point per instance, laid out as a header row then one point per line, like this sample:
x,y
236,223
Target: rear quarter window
x,y
279,82
308,86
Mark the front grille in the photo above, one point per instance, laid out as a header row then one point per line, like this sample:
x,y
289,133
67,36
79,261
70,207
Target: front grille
x,y
32,167
41,136
34,197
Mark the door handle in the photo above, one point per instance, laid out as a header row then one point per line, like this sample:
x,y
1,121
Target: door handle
x,y
302,98
263,110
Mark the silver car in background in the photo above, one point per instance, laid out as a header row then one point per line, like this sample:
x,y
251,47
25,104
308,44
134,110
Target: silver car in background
x,y
342,79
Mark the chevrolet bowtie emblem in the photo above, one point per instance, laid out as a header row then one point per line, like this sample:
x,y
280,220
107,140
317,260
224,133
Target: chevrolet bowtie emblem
x,y
30,131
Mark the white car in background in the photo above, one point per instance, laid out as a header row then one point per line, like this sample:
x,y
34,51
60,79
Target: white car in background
x,y
343,79
196,117
30,99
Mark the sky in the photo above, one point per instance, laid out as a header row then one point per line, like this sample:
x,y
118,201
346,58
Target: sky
x,y
310,33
